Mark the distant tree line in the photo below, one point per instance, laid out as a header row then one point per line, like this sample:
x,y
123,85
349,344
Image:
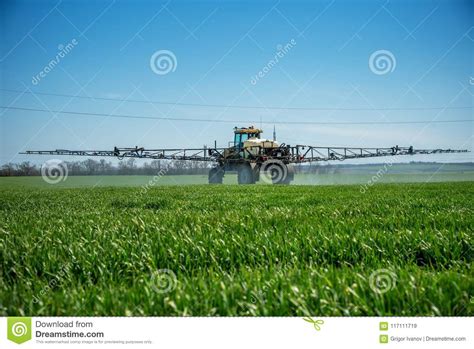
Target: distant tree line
x,y
90,167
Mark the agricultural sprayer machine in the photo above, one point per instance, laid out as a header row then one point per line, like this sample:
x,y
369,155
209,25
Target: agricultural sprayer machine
x,y
252,157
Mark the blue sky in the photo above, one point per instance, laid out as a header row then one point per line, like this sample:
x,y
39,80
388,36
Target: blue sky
x,y
219,48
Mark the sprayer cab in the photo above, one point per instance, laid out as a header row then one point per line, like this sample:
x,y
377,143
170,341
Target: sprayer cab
x,y
241,135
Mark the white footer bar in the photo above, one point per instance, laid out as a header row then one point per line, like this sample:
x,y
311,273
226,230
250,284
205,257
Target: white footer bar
x,y
238,332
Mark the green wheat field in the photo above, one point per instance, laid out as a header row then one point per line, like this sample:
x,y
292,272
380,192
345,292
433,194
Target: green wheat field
x,y
189,250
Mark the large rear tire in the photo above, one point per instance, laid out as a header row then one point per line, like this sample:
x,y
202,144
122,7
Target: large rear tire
x,y
216,175
290,175
275,171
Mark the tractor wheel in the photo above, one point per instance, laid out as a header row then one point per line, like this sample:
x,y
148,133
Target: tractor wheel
x,y
216,175
245,175
290,175
274,171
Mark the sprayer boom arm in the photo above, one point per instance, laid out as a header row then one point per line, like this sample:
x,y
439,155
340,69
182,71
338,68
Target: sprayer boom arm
x,y
289,154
